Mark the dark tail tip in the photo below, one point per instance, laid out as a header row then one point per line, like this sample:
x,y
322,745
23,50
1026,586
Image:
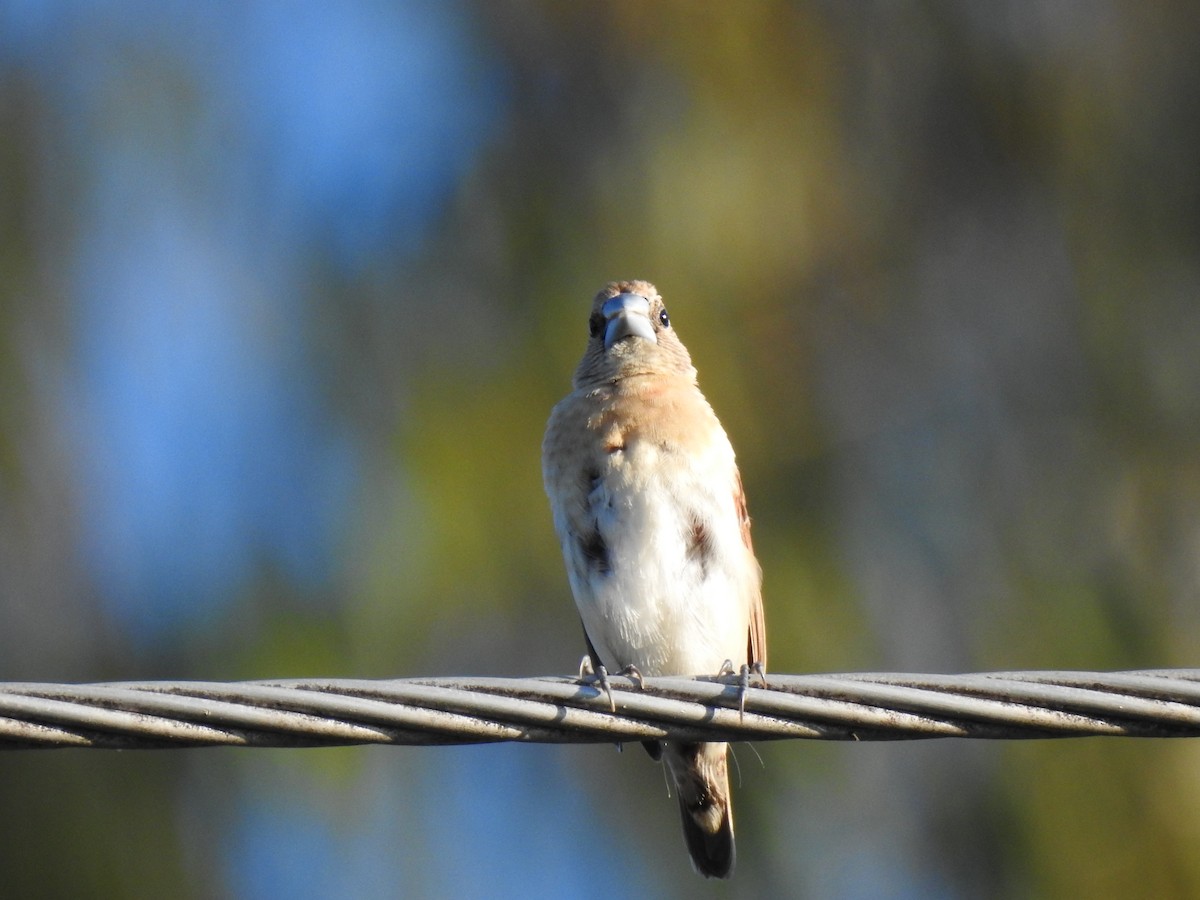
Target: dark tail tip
x,y
712,852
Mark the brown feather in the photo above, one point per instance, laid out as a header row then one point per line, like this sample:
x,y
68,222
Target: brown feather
x,y
756,644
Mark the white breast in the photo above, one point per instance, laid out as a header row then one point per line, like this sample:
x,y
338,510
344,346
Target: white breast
x,y
671,596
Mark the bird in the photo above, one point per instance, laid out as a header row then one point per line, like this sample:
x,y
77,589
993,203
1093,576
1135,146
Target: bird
x,y
648,506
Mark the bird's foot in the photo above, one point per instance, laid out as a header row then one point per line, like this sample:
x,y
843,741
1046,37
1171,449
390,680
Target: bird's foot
x,y
743,682
585,667
632,673
589,671
602,677
761,671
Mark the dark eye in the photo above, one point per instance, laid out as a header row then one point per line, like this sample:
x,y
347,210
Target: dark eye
x,y
595,324
664,319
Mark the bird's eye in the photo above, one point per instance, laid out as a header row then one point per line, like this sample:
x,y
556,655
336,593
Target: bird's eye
x,y
595,324
664,319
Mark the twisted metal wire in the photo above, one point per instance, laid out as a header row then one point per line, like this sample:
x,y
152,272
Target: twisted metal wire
x,y
335,712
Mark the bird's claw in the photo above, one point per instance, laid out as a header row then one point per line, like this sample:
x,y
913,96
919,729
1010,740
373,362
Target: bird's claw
x,y
602,677
743,682
588,670
600,674
743,686
761,671
632,673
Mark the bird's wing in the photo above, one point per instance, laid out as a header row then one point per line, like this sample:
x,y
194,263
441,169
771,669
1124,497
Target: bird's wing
x,y
756,645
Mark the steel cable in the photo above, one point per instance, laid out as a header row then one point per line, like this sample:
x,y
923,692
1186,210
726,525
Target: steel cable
x,y
465,710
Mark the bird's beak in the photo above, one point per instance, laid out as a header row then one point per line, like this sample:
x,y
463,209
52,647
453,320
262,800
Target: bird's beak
x,y
627,315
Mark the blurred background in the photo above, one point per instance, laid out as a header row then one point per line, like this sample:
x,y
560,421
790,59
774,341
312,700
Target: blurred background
x,y
287,291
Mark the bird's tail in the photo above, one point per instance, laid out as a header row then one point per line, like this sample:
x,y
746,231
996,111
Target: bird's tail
x,y
701,777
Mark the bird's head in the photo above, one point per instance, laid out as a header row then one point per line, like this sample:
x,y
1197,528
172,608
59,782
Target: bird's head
x,y
630,333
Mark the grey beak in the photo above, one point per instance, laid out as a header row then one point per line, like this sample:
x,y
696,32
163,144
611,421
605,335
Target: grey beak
x,y
627,315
